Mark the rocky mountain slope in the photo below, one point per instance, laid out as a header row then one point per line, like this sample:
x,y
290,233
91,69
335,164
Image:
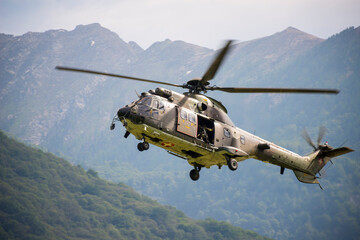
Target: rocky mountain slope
x,y
69,114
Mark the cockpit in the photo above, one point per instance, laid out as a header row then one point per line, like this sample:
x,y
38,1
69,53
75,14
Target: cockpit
x,y
146,101
150,106
152,102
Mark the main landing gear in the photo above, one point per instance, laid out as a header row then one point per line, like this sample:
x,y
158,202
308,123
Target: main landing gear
x,y
194,174
232,163
142,146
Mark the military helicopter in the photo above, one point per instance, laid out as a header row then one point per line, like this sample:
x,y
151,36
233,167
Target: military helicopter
x,y
196,127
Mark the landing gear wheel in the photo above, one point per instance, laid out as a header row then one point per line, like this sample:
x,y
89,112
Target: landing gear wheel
x,y
140,147
232,164
194,175
145,145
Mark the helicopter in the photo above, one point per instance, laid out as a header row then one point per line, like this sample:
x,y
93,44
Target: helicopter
x,y
197,128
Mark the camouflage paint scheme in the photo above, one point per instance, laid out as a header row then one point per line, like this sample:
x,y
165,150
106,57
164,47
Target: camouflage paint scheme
x,y
176,123
197,128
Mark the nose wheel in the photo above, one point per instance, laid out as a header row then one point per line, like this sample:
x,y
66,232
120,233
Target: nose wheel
x,y
143,146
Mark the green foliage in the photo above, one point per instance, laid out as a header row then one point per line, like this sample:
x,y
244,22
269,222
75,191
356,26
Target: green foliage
x,y
45,197
92,173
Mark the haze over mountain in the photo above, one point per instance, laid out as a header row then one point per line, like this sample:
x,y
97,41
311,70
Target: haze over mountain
x,y
69,114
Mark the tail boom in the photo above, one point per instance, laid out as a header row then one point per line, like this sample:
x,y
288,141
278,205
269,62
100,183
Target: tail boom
x,y
318,160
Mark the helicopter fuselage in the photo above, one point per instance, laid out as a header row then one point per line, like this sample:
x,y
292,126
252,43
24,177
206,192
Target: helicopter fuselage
x,y
197,128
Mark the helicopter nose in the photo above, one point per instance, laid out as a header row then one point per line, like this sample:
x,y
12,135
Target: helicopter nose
x,y
123,112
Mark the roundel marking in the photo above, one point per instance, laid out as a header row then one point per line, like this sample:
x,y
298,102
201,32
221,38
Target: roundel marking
x,y
167,144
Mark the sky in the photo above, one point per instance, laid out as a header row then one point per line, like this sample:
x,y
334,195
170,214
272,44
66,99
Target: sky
x,y
202,22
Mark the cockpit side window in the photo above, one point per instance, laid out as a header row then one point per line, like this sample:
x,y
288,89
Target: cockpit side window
x,y
155,114
158,104
155,104
161,105
144,106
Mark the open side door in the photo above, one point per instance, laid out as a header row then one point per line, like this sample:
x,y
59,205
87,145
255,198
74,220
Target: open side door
x,y
206,129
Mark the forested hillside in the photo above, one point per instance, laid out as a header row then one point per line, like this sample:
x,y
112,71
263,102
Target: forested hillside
x,y
69,114
45,197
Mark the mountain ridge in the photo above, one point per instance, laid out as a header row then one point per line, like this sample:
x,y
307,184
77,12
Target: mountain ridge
x,y
69,114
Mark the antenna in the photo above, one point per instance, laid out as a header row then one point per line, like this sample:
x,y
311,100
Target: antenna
x,y
137,94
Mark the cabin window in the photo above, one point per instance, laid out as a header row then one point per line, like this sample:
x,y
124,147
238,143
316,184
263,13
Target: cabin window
x,y
227,133
192,118
242,139
183,114
155,104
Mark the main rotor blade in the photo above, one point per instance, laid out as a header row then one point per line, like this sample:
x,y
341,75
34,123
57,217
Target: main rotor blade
x,y
210,73
273,90
307,138
114,75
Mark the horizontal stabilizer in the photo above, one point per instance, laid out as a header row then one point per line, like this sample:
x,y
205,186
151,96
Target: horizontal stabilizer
x,y
305,178
337,152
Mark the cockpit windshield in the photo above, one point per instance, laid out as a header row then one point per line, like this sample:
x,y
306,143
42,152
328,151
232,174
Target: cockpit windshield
x,y
145,101
151,107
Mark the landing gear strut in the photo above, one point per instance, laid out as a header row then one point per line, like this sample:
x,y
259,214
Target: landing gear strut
x,y
142,146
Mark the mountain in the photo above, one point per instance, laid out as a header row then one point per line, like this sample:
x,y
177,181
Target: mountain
x,y
69,114
257,58
27,62
44,197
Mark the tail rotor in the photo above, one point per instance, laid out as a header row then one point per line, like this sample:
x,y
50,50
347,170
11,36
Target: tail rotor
x,y
321,134
322,152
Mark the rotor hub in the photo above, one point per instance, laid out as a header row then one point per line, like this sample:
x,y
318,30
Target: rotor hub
x,y
196,86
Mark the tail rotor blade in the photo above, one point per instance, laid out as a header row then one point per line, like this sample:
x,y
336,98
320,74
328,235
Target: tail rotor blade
x,y
322,131
307,138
